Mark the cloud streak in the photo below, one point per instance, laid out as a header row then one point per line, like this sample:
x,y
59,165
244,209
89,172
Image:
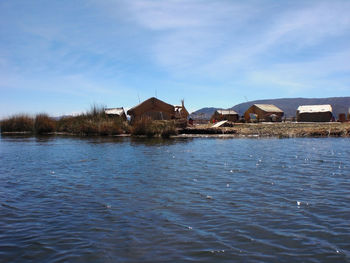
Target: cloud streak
x,y
103,49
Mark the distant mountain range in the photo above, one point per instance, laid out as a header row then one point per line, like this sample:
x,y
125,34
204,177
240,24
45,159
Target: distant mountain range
x,y
289,106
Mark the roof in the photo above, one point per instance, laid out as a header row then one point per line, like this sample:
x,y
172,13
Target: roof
x,y
114,111
150,104
314,108
268,107
226,112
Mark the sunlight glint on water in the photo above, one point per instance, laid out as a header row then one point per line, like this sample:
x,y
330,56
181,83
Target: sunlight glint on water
x,y
204,200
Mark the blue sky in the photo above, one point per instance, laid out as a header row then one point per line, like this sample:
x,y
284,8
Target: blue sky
x,y
60,57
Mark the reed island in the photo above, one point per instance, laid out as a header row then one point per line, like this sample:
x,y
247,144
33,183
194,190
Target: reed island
x,y
155,118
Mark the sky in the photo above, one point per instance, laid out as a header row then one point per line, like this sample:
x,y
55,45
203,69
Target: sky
x,y
61,57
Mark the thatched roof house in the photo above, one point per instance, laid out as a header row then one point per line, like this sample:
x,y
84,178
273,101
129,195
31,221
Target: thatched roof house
x,y
157,110
180,111
264,112
220,115
314,113
116,112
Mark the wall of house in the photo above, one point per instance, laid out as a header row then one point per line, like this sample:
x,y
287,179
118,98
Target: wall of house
x,y
220,117
314,117
153,115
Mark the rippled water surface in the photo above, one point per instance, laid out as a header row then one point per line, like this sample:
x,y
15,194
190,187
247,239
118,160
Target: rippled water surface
x,y
182,200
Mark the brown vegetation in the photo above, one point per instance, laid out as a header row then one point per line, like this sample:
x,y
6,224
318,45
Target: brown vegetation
x,y
93,122
44,124
146,126
17,123
168,130
142,127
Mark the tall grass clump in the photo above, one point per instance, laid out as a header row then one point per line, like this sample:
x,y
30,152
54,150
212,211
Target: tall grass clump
x,y
17,123
44,124
93,122
146,126
96,112
110,127
168,130
143,127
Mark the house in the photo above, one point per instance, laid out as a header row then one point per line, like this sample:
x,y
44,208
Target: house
x,y
156,109
116,113
220,115
264,112
314,113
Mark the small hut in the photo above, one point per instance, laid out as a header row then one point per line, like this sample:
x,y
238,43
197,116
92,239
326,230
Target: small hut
x,y
116,113
314,113
154,109
264,112
220,115
180,111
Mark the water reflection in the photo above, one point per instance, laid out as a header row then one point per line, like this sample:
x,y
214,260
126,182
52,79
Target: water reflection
x,y
19,137
45,138
158,141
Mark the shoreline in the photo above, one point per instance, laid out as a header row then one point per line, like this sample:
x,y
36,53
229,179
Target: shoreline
x,y
279,130
239,130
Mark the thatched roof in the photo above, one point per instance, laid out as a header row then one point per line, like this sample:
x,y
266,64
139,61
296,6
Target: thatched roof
x,y
268,107
114,111
227,112
181,111
151,104
314,108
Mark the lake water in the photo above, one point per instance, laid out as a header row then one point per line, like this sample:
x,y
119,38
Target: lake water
x,y
180,200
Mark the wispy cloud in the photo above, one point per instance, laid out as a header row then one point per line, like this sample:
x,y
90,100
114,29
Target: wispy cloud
x,y
325,73
288,37
228,39
182,14
118,48
189,33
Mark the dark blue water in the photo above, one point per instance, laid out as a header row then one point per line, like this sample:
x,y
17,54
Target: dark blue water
x,y
182,200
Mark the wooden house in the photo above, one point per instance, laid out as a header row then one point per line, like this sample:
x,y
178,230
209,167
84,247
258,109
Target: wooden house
x,y
314,113
220,115
264,112
154,109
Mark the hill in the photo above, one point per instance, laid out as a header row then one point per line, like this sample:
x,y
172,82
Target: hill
x,y
203,114
288,105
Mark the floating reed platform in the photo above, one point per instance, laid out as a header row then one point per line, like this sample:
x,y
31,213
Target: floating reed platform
x,y
280,129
